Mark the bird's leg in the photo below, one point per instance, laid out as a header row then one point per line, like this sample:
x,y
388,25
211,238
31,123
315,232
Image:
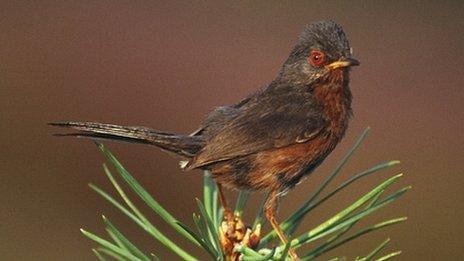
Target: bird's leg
x,y
233,231
227,233
270,209
228,214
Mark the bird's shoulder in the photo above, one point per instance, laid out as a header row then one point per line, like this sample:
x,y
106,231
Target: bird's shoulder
x,y
222,115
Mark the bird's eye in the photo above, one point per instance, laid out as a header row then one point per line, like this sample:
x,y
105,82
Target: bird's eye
x,y
316,58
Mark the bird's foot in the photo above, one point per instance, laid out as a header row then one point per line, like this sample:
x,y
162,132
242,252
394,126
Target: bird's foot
x,y
234,232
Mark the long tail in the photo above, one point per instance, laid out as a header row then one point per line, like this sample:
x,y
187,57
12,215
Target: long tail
x,y
183,145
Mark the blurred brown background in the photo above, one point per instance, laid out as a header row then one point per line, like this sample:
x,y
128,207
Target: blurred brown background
x,y
167,65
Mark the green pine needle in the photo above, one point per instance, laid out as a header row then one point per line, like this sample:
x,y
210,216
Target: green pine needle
x,y
337,229
241,201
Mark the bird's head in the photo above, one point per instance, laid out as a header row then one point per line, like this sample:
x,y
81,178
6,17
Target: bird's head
x,y
322,51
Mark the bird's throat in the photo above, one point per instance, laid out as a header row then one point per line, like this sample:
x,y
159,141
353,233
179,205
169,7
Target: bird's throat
x,y
334,95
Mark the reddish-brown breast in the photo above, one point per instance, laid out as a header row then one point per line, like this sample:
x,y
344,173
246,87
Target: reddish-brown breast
x,y
336,97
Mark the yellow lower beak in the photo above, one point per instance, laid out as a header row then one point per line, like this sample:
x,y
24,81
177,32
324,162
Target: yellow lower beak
x,y
346,62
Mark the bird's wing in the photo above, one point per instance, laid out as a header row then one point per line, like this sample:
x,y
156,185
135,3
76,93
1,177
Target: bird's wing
x,y
261,128
215,121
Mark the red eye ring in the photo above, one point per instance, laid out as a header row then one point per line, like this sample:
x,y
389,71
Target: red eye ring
x,y
316,58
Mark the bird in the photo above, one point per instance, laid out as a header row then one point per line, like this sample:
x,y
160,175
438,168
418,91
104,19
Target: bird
x,y
272,138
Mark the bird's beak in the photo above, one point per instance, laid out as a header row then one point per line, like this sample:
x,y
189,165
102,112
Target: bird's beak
x,y
344,62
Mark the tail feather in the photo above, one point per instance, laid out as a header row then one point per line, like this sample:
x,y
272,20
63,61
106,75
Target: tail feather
x,y
183,145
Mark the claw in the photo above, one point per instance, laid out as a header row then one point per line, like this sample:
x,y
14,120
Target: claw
x,y
233,232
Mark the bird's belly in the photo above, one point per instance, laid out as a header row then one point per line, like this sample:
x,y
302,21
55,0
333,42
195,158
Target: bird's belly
x,y
280,168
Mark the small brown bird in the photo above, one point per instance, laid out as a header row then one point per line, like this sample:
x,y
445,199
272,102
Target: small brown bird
x,y
275,136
